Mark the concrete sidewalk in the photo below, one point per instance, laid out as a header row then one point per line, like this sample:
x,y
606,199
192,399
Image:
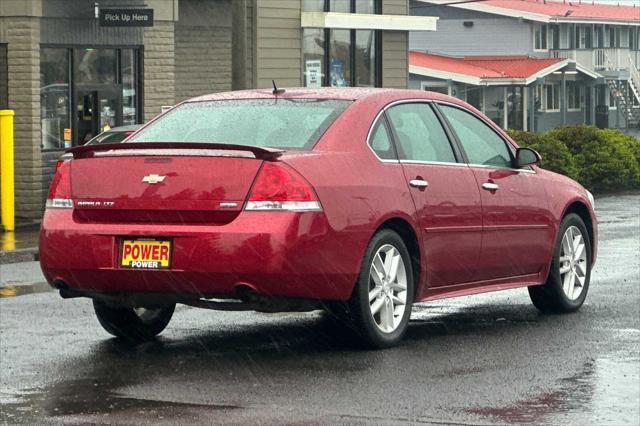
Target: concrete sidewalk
x,y
19,246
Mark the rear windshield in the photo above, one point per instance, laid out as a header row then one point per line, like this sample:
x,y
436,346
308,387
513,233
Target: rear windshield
x,y
274,123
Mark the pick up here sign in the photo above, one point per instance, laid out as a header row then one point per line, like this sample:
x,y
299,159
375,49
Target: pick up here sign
x,y
126,17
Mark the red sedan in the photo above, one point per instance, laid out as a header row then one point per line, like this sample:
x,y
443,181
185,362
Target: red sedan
x,y
358,201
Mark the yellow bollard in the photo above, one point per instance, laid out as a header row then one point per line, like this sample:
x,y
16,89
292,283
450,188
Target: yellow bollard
x,y
7,203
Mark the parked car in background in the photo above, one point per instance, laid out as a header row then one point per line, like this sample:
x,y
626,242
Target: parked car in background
x,y
359,201
114,135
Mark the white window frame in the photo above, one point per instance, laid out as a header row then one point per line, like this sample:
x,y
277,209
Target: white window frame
x,y
426,85
572,85
555,99
537,30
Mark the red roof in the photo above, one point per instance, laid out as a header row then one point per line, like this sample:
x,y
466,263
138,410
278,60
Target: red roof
x,y
483,66
574,9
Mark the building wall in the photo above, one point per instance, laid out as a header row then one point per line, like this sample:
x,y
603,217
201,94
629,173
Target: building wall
x,y
278,46
395,45
159,68
202,48
489,35
23,56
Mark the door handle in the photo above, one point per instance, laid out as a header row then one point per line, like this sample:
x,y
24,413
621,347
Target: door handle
x,y
490,186
418,183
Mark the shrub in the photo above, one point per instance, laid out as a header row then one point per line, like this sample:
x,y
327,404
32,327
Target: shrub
x,y
610,163
601,160
555,155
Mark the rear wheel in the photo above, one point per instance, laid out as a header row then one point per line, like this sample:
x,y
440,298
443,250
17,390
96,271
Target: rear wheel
x,y
381,302
133,323
568,282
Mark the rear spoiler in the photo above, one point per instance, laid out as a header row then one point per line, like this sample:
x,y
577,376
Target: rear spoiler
x,y
87,151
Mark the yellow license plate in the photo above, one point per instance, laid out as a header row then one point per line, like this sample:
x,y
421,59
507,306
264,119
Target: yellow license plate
x,y
146,254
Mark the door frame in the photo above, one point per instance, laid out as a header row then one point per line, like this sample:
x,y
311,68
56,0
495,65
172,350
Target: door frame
x,y
138,79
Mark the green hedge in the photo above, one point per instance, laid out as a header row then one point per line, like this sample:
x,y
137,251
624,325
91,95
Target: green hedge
x,y
603,160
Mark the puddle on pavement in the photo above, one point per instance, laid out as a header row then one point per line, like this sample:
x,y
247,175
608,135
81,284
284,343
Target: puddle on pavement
x,y
22,289
606,391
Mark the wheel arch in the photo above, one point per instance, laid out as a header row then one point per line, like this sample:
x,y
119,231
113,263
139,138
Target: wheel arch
x,y
410,238
581,209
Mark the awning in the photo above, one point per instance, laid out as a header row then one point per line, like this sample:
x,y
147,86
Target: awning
x,y
362,21
490,70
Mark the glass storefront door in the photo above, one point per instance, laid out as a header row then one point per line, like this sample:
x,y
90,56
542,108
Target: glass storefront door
x,y
84,90
98,108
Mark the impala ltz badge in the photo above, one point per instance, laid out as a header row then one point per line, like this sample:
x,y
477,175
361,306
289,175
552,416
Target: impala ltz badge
x,y
153,178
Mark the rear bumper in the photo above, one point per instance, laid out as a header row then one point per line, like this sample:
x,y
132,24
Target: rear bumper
x,y
280,254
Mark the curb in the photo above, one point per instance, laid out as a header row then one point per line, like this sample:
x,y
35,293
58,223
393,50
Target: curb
x,y
20,255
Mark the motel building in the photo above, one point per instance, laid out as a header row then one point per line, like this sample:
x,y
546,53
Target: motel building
x,y
533,64
73,68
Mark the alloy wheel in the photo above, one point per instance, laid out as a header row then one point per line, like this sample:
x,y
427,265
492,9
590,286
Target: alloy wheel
x,y
387,288
573,263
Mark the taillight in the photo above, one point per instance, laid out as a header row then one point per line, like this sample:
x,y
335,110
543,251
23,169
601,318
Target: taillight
x,y
278,187
60,190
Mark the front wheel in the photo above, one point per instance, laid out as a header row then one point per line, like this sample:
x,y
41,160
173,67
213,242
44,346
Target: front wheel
x,y
133,323
381,302
568,282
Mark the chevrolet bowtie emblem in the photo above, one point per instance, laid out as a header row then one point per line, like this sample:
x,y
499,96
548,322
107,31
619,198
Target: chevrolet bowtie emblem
x,y
153,178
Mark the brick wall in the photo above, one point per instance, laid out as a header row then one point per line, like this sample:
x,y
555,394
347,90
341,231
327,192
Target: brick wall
x,y
23,57
159,68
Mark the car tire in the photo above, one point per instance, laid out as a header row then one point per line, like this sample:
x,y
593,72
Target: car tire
x,y
393,292
568,281
133,324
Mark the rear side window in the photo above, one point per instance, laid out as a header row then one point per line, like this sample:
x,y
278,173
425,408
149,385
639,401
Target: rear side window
x,y
482,145
380,141
275,123
420,136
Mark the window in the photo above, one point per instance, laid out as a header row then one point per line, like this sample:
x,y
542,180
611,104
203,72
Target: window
x,y
598,36
420,136
340,57
583,37
552,97
55,103
482,145
624,37
554,36
314,64
540,36
380,141
292,124
574,96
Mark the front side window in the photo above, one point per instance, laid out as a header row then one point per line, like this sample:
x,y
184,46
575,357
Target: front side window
x,y
482,145
276,123
420,136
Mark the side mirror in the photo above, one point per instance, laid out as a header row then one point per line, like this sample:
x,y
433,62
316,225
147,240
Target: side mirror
x,y
526,157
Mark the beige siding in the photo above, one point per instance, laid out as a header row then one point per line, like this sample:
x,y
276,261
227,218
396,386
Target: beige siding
x,y
395,7
250,44
278,50
395,48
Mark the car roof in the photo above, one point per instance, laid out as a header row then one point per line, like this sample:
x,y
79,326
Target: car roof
x,y
338,93
124,128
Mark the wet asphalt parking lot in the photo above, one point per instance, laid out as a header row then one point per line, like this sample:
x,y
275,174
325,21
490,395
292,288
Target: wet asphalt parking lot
x,y
488,359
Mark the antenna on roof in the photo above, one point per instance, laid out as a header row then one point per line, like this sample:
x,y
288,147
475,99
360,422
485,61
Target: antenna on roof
x,y
276,91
